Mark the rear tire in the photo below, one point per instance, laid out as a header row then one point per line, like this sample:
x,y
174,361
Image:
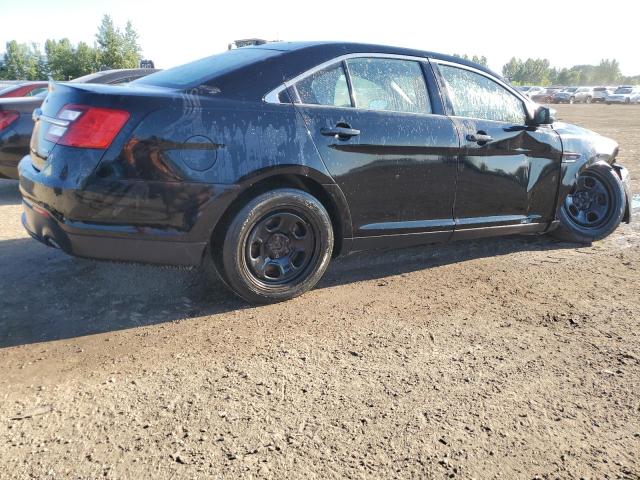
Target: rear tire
x,y
277,247
594,208
572,100
588,100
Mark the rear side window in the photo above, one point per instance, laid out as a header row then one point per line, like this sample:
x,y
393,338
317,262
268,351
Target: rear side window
x,y
36,91
198,72
388,84
476,96
325,87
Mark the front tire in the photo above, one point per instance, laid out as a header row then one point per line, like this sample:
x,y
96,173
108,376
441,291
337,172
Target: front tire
x,y
572,100
594,208
588,100
277,247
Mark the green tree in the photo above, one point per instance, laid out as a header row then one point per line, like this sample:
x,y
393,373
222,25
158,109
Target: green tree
x,y
61,59
131,48
480,60
607,71
117,49
36,64
535,71
87,59
511,69
476,59
110,44
16,60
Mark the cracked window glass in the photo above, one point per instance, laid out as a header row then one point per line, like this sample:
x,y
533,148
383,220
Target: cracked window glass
x,y
476,96
392,85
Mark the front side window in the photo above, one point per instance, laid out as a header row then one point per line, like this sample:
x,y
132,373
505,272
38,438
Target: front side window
x,y
326,87
388,84
476,96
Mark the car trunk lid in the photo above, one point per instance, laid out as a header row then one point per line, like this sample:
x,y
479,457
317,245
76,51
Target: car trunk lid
x,y
88,117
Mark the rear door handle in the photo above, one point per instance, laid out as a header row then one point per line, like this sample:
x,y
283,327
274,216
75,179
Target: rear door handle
x,y
480,137
342,133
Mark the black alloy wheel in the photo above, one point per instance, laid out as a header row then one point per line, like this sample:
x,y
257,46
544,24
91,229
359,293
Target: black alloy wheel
x,y
589,204
280,247
594,207
276,247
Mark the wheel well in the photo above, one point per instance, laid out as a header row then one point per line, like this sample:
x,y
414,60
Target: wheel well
x,y
300,182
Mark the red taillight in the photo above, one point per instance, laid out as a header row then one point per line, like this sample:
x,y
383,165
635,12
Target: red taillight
x,y
87,127
7,117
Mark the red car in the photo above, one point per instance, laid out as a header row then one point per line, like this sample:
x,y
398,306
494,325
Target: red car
x,y
27,89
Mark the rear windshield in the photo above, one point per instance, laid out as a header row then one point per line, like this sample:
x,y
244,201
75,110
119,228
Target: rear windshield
x,y
87,78
198,72
623,90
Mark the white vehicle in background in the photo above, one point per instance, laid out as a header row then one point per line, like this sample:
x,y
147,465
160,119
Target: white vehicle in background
x,y
624,94
600,94
529,90
574,95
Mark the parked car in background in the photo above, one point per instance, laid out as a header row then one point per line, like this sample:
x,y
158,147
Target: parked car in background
x,y
263,162
16,123
546,96
600,94
624,94
529,91
574,95
10,83
27,89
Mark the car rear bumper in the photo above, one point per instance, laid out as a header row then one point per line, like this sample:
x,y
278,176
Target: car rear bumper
x,y
105,242
167,223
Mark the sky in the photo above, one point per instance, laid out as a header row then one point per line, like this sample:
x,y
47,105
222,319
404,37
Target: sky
x,y
566,32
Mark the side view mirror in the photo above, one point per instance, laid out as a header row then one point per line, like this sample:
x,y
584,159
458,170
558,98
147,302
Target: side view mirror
x,y
543,116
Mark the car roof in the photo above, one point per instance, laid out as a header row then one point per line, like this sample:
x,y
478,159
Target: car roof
x,y
344,48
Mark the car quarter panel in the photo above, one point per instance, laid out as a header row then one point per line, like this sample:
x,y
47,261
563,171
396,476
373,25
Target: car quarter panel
x,y
174,174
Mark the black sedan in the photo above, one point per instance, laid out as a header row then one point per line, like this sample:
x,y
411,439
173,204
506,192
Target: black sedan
x,y
16,123
264,162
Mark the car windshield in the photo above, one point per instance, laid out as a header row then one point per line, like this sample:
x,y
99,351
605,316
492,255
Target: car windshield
x,y
623,90
524,89
200,71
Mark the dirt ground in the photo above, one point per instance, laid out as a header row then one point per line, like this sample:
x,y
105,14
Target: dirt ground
x,y
502,358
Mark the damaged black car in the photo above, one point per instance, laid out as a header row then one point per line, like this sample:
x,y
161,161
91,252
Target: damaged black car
x,y
264,162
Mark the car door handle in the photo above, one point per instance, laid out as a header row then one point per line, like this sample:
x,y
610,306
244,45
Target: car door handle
x,y
480,137
342,133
